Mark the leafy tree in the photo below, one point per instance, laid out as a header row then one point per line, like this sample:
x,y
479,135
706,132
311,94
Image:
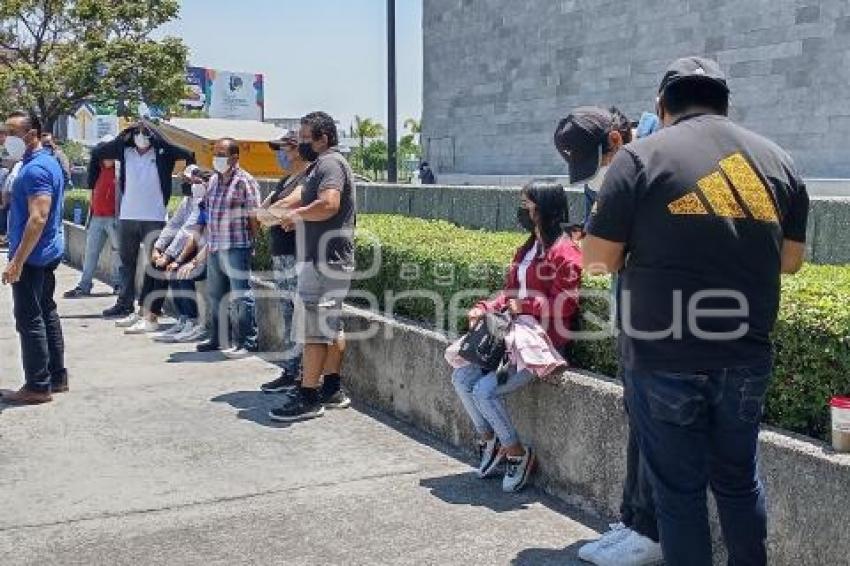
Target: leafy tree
x,y
55,54
375,157
366,128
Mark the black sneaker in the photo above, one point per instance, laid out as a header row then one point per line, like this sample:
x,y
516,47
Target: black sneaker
x,y
283,383
118,311
207,347
338,400
75,293
296,408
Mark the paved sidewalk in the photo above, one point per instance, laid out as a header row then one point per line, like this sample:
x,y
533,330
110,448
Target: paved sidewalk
x,y
159,455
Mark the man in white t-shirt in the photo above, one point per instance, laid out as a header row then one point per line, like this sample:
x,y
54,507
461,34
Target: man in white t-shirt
x,y
147,164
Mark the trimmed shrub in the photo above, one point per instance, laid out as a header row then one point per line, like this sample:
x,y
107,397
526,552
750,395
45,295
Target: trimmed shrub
x,y
425,264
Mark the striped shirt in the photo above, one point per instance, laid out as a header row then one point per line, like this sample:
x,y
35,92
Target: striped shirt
x,y
229,208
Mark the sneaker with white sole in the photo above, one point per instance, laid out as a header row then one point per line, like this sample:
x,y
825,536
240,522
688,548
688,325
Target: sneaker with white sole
x,y
194,334
633,550
143,326
338,400
617,532
296,408
490,455
236,353
127,321
173,330
518,471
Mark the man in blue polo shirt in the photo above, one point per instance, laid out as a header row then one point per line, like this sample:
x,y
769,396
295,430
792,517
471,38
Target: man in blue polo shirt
x,y
36,245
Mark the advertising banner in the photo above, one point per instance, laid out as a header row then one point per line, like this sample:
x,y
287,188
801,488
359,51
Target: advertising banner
x,y
224,94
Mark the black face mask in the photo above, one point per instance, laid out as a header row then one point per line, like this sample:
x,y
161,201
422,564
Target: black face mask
x,y
523,216
306,151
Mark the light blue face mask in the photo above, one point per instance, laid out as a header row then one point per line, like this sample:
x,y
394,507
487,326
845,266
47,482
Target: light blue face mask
x,y
283,159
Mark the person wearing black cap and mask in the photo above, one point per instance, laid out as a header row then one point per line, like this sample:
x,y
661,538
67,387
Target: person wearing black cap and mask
x,y
702,217
589,138
287,194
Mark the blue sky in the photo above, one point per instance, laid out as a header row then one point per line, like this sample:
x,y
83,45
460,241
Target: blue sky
x,y
316,55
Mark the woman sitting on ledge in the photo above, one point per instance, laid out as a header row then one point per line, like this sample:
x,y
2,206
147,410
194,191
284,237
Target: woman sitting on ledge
x,y
542,283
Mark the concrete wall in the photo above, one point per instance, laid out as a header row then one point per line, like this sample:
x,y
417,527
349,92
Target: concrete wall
x,y
498,74
577,428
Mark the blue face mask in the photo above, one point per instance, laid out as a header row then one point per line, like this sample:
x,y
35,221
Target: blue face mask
x,y
283,159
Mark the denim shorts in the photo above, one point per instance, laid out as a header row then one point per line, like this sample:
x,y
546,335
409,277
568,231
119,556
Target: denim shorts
x,y
321,292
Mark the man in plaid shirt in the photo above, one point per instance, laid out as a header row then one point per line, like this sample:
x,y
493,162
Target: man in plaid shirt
x,y
231,201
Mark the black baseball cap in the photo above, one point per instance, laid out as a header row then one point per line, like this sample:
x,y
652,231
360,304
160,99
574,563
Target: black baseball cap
x,y
694,69
581,138
289,138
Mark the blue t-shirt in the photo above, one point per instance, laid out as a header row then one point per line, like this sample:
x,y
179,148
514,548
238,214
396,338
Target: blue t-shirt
x,y
40,174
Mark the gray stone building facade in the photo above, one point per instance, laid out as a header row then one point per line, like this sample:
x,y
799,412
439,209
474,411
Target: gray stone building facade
x,y
499,74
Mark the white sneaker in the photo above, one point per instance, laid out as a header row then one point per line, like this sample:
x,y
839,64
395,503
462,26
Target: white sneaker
x,y
236,353
633,550
191,332
518,472
127,321
618,532
142,326
172,331
490,456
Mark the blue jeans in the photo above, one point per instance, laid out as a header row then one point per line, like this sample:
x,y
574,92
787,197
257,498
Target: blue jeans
x,y
700,429
286,280
100,229
483,399
231,299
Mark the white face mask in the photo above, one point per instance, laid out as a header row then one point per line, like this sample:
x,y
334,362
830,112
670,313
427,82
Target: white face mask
x,y
142,141
198,191
220,164
15,147
596,181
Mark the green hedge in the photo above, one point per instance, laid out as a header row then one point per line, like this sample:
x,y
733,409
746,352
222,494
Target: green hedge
x,y
812,335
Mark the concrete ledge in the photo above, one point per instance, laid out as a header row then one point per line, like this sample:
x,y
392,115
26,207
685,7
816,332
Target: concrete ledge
x,y
579,431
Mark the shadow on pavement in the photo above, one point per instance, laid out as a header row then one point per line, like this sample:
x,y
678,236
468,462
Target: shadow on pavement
x,y
91,316
195,357
544,556
467,489
253,406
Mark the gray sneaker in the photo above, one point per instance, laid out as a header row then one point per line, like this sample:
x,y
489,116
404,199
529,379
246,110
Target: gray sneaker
x,y
338,400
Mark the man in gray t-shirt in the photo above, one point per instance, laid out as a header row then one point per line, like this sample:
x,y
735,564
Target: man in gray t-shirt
x,y
330,172
324,224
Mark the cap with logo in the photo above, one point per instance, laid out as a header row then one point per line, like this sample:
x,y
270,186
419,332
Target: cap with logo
x,y
694,69
582,138
290,138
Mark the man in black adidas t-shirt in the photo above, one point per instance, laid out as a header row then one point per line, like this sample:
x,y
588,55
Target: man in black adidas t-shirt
x,y
702,217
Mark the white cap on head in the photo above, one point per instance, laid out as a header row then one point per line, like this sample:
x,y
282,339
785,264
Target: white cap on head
x,y
191,170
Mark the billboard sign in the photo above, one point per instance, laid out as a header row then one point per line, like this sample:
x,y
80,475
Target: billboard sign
x,y
224,94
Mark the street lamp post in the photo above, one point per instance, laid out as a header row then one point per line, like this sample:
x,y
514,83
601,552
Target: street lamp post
x,y
392,118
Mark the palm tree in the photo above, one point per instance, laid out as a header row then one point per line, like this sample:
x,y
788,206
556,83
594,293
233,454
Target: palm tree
x,y
366,128
413,125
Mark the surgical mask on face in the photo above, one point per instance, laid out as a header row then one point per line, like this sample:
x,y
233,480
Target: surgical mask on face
x,y
15,147
220,164
199,190
305,149
523,217
142,141
283,160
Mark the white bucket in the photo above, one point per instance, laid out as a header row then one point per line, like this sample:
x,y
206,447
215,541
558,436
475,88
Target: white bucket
x,y
840,407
